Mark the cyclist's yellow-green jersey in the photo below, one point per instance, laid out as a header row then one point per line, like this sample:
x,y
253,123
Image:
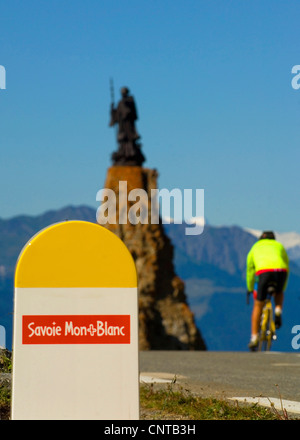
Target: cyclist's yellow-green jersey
x,y
265,255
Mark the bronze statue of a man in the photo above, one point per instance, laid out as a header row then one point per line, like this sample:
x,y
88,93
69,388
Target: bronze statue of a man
x,y
125,115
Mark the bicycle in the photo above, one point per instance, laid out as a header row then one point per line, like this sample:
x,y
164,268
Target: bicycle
x,y
267,330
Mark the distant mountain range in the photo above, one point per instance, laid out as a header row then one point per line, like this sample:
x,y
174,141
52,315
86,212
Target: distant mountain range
x,y
211,264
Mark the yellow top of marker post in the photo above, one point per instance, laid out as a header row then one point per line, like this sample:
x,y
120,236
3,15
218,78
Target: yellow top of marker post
x,y
75,254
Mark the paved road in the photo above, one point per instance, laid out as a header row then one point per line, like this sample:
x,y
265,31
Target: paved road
x,y
227,374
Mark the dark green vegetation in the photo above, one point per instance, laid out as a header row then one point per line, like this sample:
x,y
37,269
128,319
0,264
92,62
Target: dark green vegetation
x,y
5,384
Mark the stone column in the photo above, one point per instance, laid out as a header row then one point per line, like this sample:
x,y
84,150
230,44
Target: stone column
x,y
165,319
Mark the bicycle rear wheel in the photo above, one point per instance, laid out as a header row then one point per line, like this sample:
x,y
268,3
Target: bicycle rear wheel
x,y
266,331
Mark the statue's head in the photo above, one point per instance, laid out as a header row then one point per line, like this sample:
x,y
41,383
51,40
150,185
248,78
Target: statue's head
x,y
124,91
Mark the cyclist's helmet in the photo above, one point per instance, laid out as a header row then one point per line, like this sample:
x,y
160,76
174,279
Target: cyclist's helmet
x,y
267,234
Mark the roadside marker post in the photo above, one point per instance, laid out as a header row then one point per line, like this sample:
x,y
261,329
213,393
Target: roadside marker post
x,y
75,342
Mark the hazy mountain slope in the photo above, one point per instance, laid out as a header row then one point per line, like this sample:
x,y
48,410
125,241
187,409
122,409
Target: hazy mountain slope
x,y
211,264
15,232
222,247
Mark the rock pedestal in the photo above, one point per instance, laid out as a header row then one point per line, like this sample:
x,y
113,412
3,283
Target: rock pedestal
x,y
165,319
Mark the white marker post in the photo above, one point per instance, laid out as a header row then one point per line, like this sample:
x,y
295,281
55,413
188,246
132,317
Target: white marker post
x,y
75,344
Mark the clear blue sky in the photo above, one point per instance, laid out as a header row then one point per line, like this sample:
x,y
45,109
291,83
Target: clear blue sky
x,y
212,83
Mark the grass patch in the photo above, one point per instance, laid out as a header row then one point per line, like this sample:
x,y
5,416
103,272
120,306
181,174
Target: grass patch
x,y
5,399
5,361
5,387
166,403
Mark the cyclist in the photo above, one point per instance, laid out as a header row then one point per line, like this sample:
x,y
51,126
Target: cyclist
x,y
267,262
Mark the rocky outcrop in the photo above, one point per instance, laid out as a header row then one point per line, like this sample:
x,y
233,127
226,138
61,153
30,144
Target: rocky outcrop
x,y
165,319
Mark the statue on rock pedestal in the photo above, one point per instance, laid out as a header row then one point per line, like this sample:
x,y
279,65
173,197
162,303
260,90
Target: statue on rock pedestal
x,y
125,115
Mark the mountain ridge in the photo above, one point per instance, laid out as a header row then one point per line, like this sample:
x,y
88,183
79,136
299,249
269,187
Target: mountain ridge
x,y
212,265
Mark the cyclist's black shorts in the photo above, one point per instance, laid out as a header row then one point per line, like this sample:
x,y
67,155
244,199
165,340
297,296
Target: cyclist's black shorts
x,y
263,280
